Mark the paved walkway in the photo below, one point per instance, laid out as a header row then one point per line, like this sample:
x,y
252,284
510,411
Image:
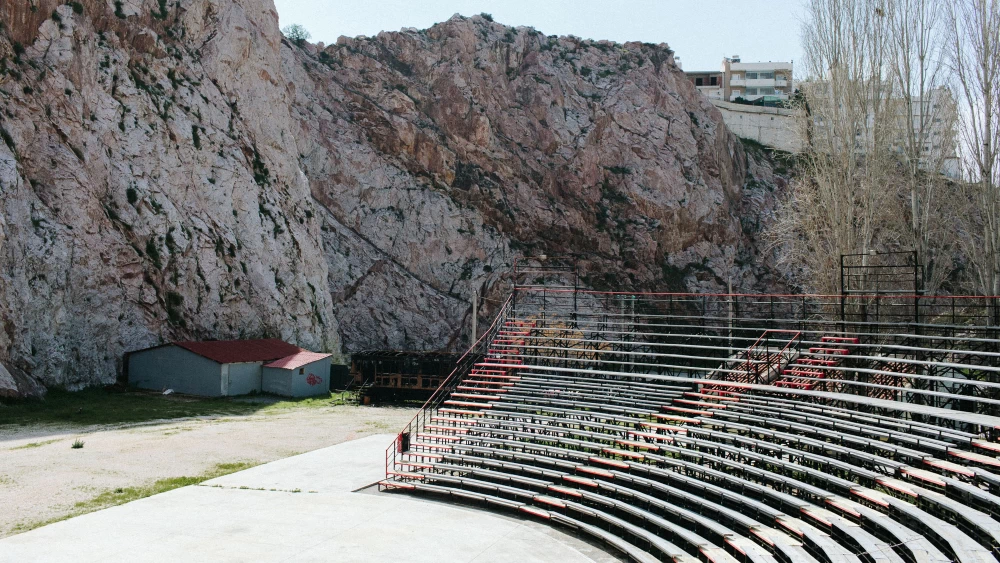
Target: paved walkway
x,y
298,509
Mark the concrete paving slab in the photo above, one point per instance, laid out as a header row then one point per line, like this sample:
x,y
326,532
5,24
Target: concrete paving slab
x,y
254,516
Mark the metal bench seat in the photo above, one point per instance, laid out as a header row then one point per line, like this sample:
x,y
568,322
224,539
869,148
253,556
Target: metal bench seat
x,y
909,425
747,423
586,379
530,399
963,548
532,417
923,551
614,541
582,399
698,506
695,541
537,372
816,491
723,534
855,427
791,503
574,414
639,398
538,484
861,537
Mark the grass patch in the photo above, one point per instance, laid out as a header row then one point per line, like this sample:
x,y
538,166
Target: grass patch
x,y
122,495
35,445
77,444
333,399
96,406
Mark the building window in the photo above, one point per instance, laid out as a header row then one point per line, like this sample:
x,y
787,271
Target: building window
x,y
765,75
699,81
714,81
751,76
302,370
751,91
766,91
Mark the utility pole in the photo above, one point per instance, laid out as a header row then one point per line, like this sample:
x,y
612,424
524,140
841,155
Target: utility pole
x,y
475,316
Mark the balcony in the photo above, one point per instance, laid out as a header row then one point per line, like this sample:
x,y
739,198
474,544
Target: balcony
x,y
780,83
738,82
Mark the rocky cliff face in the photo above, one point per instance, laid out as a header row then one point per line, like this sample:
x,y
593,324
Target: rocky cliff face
x,y
178,170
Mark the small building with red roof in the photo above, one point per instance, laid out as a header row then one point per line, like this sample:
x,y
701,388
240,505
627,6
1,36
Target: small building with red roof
x,y
222,368
297,375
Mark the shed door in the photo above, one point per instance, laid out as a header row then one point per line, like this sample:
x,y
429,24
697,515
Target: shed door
x,y
225,379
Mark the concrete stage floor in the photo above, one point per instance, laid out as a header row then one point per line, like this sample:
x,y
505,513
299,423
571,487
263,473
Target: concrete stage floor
x,y
321,509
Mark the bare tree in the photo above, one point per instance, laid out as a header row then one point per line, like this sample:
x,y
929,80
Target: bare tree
x,y
926,127
974,56
879,122
846,193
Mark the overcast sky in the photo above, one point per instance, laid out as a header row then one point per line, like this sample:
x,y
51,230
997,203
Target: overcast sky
x,y
701,32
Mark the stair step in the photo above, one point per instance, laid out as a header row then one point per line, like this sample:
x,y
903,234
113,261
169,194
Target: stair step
x,y
676,418
464,421
699,403
415,464
803,372
447,428
476,396
507,377
841,339
794,384
389,484
474,388
430,446
432,436
460,411
405,475
817,361
596,471
612,462
821,350
468,404
688,411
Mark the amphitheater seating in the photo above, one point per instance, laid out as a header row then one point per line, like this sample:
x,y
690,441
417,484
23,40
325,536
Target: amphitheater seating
x,y
712,469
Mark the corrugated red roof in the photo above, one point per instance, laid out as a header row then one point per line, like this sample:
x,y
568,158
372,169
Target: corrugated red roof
x,y
237,351
297,360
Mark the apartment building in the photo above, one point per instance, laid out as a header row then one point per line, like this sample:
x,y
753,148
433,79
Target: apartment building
x,y
750,81
711,83
753,81
933,121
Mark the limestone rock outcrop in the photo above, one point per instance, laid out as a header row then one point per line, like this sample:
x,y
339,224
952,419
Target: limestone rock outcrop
x,y
180,170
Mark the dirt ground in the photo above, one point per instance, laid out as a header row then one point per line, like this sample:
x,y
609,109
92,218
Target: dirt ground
x,y
42,477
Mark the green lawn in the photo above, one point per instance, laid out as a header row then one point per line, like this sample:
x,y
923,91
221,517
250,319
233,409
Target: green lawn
x,y
95,406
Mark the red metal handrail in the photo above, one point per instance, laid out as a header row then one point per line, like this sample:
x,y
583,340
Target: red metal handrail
x,y
461,368
796,335
852,296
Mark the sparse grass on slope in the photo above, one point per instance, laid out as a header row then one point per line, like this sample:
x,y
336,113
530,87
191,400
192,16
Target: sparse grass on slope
x,y
31,445
96,406
115,497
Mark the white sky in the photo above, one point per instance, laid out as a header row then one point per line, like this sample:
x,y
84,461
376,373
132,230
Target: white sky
x,y
701,32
